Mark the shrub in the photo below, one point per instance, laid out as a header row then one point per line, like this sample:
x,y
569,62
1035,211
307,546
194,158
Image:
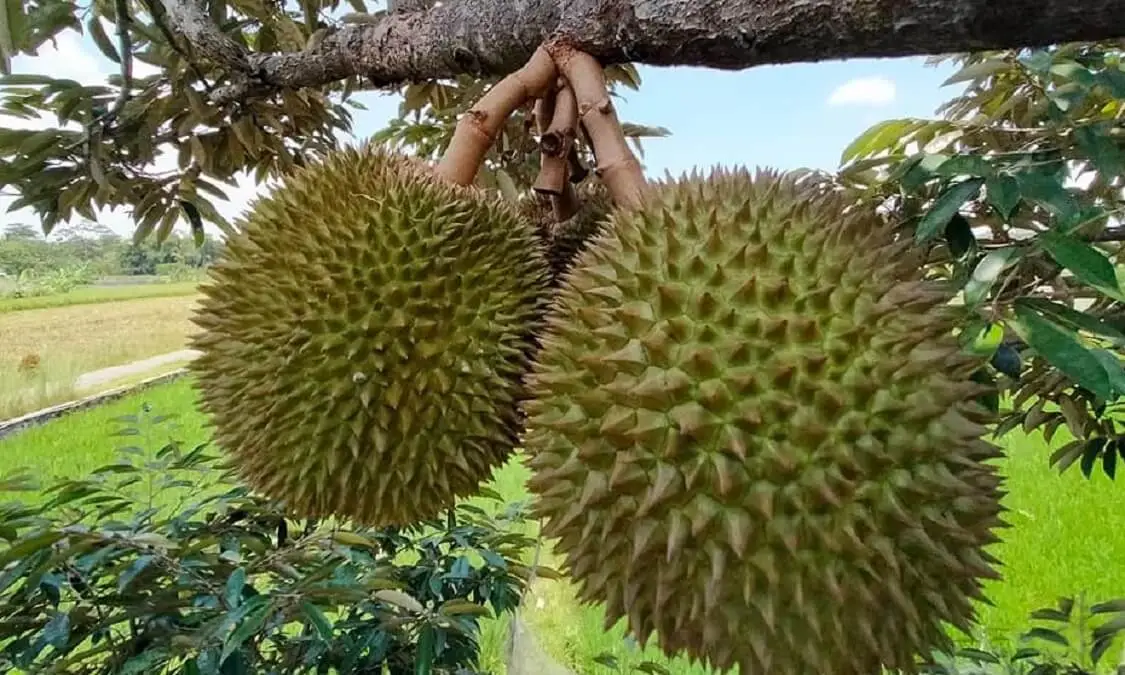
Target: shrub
x,y
161,563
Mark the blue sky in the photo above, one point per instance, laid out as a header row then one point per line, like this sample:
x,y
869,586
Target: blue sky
x,y
797,115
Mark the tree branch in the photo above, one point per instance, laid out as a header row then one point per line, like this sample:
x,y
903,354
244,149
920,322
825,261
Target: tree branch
x,y
496,37
190,20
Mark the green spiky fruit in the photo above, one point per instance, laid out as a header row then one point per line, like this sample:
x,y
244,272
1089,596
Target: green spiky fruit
x,y
752,433
365,339
566,240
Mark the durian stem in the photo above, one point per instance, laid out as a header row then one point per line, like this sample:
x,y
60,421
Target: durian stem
x,y
552,173
617,166
477,130
555,144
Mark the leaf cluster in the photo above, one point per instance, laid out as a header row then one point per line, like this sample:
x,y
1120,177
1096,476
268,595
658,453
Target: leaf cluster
x,y
161,563
1015,192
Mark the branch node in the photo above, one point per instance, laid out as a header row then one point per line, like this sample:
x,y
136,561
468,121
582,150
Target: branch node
x,y
477,130
616,164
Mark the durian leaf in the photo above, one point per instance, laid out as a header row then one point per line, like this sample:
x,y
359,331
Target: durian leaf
x,y
94,25
1003,194
1113,369
1090,454
1086,262
1062,349
425,654
877,138
965,165
1095,144
1047,634
317,618
945,207
986,273
1073,318
976,71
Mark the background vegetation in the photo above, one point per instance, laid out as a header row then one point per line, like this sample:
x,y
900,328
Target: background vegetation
x,y
156,561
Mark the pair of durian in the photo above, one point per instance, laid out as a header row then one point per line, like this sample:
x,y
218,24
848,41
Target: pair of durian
x,y
750,426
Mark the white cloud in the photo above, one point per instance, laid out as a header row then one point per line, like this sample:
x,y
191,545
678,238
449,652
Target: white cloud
x,y
876,90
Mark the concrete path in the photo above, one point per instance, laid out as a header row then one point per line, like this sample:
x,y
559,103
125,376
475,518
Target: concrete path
x,y
100,378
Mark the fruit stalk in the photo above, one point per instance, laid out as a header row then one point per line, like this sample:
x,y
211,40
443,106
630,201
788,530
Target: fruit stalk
x,y
617,166
477,130
557,117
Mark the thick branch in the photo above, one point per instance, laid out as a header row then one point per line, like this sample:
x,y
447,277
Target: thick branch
x,y
495,37
190,20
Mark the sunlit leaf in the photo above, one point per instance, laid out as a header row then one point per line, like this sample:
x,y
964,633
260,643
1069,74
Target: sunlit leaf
x,y
945,207
1062,349
1087,264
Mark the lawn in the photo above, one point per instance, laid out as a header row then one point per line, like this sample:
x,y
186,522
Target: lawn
x,y
86,295
67,341
1068,534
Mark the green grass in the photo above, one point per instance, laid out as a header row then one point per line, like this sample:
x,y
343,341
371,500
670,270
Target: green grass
x,y
1068,534
86,295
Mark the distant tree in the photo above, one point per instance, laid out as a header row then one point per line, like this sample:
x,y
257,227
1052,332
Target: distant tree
x,y
21,231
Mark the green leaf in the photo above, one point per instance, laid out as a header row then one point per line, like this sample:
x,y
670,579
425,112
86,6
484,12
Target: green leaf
x,y
57,631
965,165
1073,318
985,342
1061,348
193,217
876,139
945,207
1087,264
918,173
1113,370
94,25
246,629
1003,194
232,593
1095,144
425,663
975,71
318,619
1048,190
139,565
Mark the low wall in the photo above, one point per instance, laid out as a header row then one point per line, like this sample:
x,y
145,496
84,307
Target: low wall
x,y
16,424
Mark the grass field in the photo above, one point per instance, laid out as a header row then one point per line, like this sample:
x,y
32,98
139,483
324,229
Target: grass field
x,y
71,340
1068,534
86,295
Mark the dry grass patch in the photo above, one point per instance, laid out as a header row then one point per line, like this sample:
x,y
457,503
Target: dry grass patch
x,y
42,351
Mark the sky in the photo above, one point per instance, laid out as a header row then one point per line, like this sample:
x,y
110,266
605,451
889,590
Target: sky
x,y
791,116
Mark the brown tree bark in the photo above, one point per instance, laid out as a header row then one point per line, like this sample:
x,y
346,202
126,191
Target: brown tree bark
x,y
496,37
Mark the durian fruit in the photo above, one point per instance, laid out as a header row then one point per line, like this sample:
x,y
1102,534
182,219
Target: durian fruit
x,y
752,433
567,239
365,339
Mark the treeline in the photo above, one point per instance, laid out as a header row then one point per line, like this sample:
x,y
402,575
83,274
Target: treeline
x,y
98,250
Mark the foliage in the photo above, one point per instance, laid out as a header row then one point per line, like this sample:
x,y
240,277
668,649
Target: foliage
x,y
76,256
110,145
159,563
31,283
1016,192
1067,639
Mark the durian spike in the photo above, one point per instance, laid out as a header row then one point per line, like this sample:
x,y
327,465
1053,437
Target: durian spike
x,y
477,128
617,166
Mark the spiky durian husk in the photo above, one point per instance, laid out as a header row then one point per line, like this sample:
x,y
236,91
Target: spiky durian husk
x,y
753,434
566,240
365,339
